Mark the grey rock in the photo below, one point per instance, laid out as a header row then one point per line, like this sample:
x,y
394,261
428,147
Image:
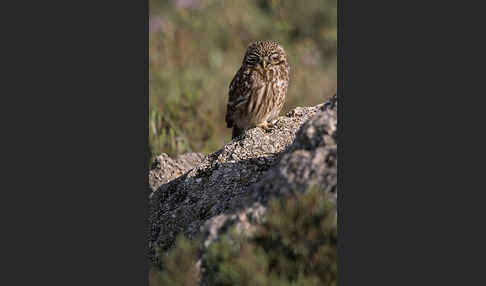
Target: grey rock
x,y
231,186
244,221
164,168
311,160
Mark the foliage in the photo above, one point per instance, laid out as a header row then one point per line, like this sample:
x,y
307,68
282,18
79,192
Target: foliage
x,y
179,266
196,47
296,245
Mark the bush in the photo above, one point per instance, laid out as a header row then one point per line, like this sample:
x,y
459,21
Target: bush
x,y
179,267
296,245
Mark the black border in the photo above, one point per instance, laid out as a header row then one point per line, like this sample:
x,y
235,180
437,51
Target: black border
x,y
78,159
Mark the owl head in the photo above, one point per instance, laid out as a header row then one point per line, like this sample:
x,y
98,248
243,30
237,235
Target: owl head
x,y
264,54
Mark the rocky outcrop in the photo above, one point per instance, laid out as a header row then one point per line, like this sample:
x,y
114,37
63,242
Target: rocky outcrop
x,y
231,187
165,169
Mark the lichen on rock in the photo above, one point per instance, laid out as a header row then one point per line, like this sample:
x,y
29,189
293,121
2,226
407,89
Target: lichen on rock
x,y
231,186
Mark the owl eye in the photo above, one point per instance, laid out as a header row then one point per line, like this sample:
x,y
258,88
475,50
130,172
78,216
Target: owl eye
x,y
274,57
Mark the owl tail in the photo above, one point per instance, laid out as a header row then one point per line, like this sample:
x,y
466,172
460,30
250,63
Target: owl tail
x,y
236,132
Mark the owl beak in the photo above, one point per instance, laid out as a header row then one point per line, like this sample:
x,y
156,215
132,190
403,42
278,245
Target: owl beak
x,y
264,63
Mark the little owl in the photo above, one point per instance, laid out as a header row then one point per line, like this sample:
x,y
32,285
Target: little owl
x,y
257,92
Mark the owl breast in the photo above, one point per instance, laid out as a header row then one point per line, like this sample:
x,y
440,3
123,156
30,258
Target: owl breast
x,y
266,98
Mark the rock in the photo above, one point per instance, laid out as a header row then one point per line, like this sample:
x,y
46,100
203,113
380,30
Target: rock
x,y
311,160
232,186
164,168
244,221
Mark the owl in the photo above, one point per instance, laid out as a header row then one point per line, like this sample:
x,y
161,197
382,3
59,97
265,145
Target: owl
x,y
257,91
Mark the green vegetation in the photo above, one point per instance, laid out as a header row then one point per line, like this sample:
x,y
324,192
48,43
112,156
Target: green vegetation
x,y
179,265
296,245
196,47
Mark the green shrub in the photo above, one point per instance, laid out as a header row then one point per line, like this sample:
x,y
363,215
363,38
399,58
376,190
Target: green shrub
x,y
179,266
296,245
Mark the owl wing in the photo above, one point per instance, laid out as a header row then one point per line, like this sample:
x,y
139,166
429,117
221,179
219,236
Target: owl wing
x,y
239,91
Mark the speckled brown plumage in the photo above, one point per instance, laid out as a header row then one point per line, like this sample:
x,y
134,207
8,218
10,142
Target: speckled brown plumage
x,y
257,92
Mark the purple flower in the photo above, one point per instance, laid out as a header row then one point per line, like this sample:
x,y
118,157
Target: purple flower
x,y
191,4
155,23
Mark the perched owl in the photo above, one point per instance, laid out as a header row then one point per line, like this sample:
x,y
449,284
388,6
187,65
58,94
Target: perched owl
x,y
257,92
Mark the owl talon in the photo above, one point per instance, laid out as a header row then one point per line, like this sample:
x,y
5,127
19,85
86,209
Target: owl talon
x,y
262,125
266,126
